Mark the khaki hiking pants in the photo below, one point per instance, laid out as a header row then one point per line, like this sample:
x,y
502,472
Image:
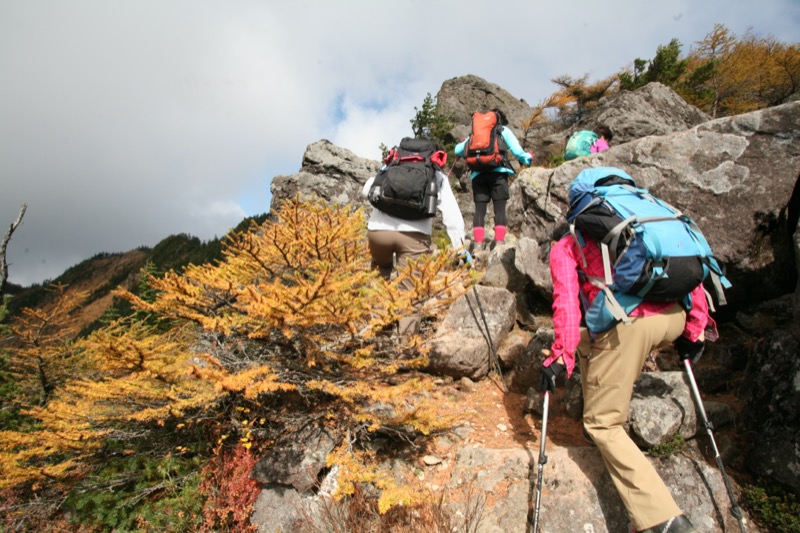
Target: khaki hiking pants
x,y
609,367
388,247
384,245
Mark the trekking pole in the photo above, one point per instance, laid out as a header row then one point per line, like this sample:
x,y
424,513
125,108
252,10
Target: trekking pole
x,y
542,462
494,359
709,426
453,166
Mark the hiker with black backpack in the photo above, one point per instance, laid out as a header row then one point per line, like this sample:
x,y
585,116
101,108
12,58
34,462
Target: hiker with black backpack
x,y
611,349
485,151
406,194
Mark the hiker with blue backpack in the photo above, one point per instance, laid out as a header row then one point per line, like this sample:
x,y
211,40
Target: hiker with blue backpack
x,y
611,309
485,152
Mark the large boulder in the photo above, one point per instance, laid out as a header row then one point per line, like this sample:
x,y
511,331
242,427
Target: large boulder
x,y
771,396
329,172
462,96
297,459
471,332
577,493
661,407
655,109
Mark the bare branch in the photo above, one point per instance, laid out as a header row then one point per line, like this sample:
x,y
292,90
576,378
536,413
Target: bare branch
x,y
4,245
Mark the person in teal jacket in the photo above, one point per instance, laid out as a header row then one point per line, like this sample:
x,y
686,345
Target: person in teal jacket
x,y
493,185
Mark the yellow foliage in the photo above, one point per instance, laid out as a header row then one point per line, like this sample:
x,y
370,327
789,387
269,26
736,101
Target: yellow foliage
x,y
741,74
44,357
293,306
28,457
254,381
361,466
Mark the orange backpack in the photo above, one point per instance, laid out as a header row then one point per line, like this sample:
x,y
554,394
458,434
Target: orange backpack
x,y
486,149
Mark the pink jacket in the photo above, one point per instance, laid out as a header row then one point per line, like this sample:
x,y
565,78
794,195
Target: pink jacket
x,y
599,145
565,260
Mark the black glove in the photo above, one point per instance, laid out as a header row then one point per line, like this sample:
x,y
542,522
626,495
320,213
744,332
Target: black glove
x,y
689,350
547,379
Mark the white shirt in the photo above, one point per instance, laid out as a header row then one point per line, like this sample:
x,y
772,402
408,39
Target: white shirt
x,y
446,203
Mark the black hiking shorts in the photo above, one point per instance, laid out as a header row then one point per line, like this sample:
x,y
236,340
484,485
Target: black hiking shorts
x,y
490,186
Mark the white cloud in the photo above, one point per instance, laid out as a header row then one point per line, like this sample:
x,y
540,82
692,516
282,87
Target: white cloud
x,y
125,122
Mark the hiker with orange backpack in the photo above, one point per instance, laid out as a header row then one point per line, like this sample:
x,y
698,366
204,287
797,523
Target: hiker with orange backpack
x,y
485,151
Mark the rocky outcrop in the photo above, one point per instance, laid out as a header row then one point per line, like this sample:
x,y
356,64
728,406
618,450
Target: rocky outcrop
x,y
655,109
577,493
297,460
734,176
772,393
460,97
329,172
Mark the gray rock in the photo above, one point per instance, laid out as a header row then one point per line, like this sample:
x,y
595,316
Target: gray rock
x,y
277,508
297,459
661,406
771,396
654,109
577,492
460,97
460,346
329,172
733,176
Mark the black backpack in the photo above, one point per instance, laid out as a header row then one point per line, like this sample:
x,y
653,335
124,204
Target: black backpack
x,y
406,186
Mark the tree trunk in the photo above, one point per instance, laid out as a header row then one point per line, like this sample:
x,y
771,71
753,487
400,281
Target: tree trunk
x,y
4,245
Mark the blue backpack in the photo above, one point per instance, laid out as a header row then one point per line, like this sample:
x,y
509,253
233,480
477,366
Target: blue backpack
x,y
651,251
579,144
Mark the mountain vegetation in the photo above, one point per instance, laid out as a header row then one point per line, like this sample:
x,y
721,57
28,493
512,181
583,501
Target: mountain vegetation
x,y
151,415
170,402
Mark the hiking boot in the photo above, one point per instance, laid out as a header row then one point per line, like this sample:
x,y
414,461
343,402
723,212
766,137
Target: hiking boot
x,y
676,524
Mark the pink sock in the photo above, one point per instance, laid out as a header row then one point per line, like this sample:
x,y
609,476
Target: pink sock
x,y
478,233
500,233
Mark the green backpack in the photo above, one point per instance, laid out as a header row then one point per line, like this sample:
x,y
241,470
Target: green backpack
x,y
579,144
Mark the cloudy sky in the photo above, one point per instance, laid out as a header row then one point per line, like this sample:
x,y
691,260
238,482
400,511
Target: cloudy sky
x,y
125,121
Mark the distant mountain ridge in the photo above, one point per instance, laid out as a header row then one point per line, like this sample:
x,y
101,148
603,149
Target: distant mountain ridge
x,y
100,274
